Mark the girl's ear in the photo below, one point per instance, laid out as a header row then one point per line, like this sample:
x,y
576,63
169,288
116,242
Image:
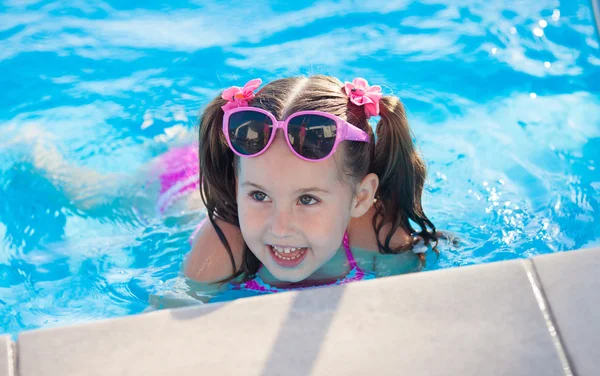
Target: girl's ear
x,y
365,194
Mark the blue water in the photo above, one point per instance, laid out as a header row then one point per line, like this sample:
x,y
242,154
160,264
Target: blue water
x,y
503,100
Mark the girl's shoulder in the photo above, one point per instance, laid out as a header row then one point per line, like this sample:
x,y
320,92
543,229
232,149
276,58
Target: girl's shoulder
x,y
209,261
363,236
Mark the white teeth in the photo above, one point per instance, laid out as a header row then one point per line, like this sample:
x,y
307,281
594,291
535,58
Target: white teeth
x,y
279,252
289,258
285,250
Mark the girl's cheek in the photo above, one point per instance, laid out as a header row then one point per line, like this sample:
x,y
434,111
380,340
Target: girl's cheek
x,y
317,221
253,215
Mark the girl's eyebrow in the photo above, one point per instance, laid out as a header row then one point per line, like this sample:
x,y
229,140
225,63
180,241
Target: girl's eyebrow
x,y
249,184
301,190
311,189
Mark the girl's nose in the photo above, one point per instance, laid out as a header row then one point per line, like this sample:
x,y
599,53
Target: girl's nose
x,y
283,223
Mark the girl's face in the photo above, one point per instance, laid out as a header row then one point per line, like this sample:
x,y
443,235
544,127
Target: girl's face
x,y
292,213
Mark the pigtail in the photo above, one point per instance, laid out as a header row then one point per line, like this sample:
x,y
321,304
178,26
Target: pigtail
x,y
217,174
401,172
216,159
216,165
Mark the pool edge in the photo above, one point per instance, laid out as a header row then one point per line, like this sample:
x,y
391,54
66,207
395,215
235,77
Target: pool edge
x,y
508,287
596,15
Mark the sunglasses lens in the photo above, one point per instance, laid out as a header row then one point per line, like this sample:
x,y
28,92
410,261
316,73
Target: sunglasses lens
x,y
312,136
249,131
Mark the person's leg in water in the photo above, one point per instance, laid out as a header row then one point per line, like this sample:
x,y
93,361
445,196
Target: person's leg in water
x,y
83,186
88,189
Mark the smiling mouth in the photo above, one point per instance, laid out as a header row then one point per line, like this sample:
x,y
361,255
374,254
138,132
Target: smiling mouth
x,y
288,257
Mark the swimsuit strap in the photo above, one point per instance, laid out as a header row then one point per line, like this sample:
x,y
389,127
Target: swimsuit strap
x,y
349,254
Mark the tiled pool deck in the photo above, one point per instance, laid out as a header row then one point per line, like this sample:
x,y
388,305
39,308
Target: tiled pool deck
x,y
524,317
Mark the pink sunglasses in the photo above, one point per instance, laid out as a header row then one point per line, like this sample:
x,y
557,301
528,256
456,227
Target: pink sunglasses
x,y
311,135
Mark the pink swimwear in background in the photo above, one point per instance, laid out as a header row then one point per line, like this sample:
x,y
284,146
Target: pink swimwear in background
x,y
179,176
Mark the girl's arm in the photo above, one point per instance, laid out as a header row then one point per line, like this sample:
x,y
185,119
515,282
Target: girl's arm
x,y
209,261
207,264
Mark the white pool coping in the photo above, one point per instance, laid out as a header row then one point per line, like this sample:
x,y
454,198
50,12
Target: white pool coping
x,y
596,14
521,317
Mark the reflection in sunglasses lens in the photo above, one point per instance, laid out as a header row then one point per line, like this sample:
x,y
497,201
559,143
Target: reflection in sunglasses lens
x,y
249,131
312,136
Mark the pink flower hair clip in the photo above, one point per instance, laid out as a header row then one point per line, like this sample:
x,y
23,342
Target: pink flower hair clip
x,y
361,94
240,96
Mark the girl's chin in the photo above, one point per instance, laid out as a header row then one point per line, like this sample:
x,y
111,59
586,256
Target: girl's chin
x,y
288,275
285,273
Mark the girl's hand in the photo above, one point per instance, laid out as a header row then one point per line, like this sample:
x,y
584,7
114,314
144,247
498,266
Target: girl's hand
x,y
171,299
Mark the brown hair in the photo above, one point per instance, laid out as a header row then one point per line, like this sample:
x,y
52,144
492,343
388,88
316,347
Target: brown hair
x,y
393,158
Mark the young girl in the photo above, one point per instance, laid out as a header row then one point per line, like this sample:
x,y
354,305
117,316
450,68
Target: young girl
x,y
297,187
298,190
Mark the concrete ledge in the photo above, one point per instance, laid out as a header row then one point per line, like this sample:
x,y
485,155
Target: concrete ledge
x,y
481,320
7,364
571,283
596,14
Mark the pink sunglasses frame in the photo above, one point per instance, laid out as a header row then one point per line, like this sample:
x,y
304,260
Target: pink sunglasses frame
x,y
345,131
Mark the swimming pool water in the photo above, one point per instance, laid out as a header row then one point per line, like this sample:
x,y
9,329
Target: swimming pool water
x,y
503,100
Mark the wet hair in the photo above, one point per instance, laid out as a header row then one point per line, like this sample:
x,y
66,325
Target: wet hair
x,y
393,158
